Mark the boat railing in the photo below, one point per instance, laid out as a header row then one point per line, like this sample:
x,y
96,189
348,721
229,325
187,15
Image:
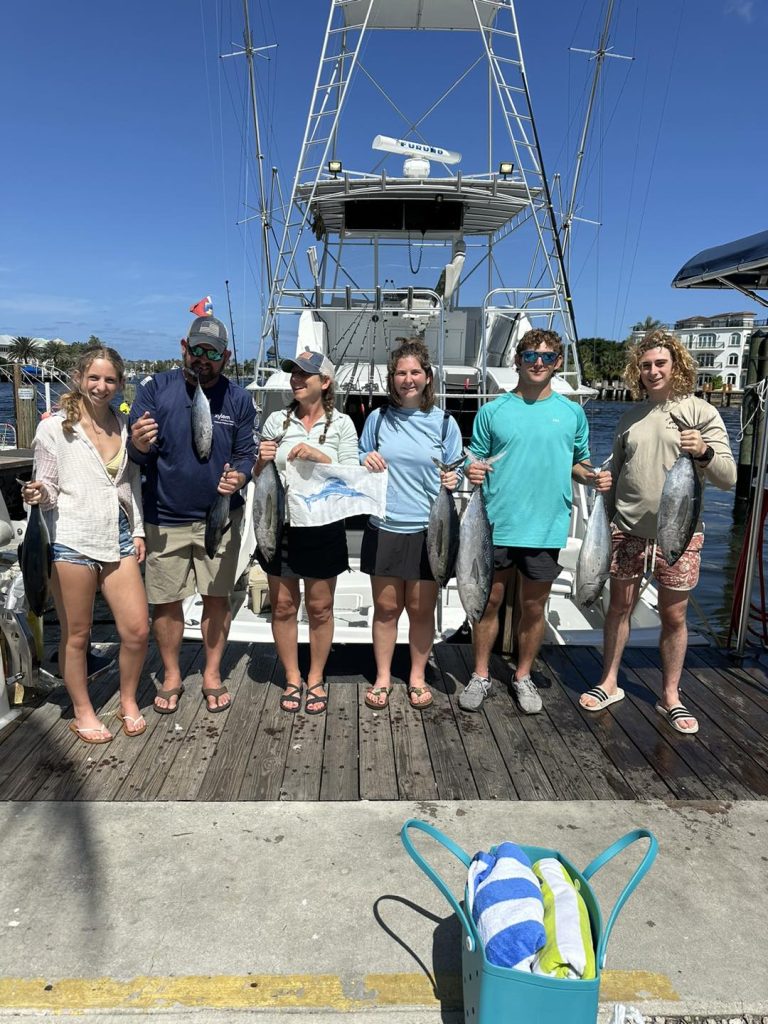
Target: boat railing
x,y
425,301
7,436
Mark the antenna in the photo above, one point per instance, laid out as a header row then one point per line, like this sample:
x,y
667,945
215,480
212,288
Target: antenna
x,y
406,148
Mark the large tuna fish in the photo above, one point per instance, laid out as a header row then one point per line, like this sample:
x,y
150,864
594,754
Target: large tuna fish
x,y
474,564
443,531
202,424
35,558
268,511
679,508
216,523
594,562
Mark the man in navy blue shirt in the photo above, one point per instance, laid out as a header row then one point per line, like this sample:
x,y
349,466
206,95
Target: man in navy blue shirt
x,y
179,489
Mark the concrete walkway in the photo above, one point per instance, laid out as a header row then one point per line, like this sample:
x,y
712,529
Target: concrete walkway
x,y
190,912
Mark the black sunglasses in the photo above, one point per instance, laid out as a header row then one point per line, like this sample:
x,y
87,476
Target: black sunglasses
x,y
211,354
530,356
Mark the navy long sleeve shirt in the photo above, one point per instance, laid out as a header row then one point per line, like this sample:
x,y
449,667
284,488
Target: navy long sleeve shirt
x,y
180,487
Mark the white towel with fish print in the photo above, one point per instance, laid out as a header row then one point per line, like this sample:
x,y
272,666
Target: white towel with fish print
x,y
321,493
505,901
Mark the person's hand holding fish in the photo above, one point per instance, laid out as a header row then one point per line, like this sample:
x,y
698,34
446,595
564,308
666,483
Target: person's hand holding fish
x,y
374,463
307,452
230,481
476,471
449,479
144,433
692,443
268,450
602,480
32,491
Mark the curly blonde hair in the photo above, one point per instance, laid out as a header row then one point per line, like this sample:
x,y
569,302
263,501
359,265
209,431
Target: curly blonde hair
x,y
683,366
72,401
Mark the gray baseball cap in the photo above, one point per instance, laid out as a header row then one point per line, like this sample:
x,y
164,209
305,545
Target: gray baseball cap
x,y
309,362
208,331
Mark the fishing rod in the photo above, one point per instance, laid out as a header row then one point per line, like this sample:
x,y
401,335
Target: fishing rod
x,y
232,332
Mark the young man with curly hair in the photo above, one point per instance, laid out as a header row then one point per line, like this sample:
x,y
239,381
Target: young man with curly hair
x,y
648,440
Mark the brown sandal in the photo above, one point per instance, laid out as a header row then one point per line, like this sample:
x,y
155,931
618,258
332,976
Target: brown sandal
x,y
216,691
316,698
417,691
376,691
176,692
290,701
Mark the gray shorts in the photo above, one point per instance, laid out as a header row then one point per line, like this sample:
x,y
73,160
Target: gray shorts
x,y
177,565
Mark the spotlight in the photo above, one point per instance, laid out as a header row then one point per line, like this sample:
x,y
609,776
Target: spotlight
x,y
334,167
505,169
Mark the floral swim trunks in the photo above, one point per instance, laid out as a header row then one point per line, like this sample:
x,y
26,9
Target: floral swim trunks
x,y
634,556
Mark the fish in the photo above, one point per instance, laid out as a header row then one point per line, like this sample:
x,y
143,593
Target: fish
x,y
216,523
679,506
268,511
594,562
202,423
474,562
35,559
443,530
332,487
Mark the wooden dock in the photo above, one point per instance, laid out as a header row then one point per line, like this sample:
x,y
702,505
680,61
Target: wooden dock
x,y
257,752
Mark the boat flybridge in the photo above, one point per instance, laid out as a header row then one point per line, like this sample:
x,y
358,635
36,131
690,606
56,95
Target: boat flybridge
x,y
428,243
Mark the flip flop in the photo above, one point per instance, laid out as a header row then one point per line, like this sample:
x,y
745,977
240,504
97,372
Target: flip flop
x,y
176,692
291,696
674,715
416,691
604,699
98,736
374,692
129,718
216,691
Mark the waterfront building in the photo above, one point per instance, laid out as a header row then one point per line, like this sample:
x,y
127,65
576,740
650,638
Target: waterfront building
x,y
720,345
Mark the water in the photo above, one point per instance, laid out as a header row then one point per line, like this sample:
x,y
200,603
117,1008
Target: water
x,y
724,530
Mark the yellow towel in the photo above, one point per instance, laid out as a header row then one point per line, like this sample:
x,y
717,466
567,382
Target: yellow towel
x,y
568,951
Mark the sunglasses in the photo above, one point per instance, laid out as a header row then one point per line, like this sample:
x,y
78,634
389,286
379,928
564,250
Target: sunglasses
x,y
530,356
210,353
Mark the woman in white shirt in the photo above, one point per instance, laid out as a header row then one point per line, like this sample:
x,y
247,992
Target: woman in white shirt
x,y
311,428
90,493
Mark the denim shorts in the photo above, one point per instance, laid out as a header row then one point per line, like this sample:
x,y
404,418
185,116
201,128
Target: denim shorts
x,y
61,553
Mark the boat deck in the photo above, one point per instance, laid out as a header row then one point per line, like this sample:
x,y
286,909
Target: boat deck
x,y
257,752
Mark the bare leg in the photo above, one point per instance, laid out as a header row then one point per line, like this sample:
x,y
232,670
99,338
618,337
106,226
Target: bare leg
x,y
673,605
124,592
485,631
318,596
74,588
388,603
168,625
533,596
285,597
420,601
616,629
214,625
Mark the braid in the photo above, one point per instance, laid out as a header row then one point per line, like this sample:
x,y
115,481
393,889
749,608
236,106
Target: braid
x,y
288,413
329,402
72,404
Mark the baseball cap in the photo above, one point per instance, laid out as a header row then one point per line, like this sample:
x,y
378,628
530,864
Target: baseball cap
x,y
207,330
309,362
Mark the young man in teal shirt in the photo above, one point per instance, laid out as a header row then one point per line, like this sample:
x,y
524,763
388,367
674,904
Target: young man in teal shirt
x,y
528,493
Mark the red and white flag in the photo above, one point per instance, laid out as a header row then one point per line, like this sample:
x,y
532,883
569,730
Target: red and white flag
x,y
202,308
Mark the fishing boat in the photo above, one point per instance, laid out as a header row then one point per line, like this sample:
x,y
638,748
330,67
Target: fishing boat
x,y
466,253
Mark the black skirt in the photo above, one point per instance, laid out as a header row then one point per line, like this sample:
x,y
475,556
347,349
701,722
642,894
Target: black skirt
x,y
309,552
401,555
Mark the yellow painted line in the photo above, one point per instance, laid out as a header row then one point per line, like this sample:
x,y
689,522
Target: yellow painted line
x,y
254,991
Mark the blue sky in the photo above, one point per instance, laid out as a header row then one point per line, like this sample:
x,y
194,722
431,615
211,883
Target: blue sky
x,y
127,154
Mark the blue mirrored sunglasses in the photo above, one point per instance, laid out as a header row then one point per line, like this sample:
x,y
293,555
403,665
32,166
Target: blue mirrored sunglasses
x,y
530,356
209,353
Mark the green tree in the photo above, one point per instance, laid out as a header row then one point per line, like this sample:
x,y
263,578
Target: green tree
x,y
601,359
649,324
22,349
57,353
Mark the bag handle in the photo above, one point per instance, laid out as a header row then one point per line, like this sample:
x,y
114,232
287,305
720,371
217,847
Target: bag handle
x,y
432,875
607,855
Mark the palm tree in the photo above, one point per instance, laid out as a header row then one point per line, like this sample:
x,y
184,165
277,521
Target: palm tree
x,y
649,324
22,350
56,352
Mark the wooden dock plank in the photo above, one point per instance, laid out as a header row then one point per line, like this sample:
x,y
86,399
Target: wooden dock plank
x,y
450,765
263,776
340,778
378,775
413,765
485,760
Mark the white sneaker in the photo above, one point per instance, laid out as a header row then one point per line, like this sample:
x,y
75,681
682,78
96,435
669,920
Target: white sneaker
x,y
474,693
526,695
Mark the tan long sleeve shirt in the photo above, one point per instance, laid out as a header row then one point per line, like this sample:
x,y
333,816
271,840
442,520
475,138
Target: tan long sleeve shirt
x,y
645,447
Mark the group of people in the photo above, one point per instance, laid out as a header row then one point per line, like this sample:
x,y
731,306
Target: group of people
x,y
119,491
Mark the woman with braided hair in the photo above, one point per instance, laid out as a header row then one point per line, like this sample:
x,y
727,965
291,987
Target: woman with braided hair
x,y
90,493
311,428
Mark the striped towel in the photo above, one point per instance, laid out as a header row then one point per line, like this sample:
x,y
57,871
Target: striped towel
x,y
505,902
569,951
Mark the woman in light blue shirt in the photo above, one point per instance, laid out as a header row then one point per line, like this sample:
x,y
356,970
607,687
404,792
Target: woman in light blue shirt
x,y
405,437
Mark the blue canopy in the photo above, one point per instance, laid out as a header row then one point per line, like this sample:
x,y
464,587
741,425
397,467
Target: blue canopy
x,y
742,265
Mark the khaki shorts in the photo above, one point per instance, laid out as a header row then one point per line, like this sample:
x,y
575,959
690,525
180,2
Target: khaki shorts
x,y
177,565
